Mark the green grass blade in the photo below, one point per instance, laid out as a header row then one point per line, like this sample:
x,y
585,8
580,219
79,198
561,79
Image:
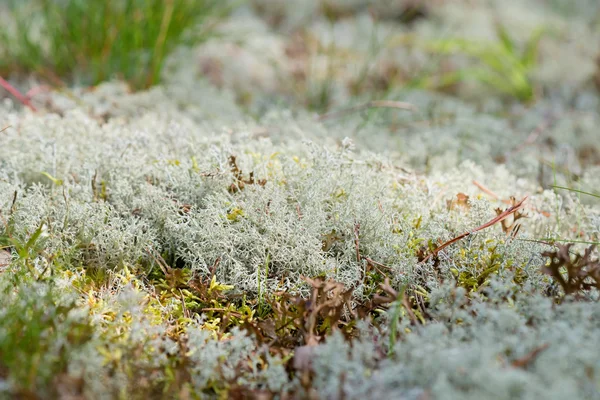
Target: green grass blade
x,y
597,195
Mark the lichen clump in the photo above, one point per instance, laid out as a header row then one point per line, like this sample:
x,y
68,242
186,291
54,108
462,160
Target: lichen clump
x,y
243,238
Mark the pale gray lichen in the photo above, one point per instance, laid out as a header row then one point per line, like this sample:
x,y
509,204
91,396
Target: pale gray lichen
x,y
120,182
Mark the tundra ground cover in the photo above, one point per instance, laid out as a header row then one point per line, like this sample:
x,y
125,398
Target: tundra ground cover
x,y
259,226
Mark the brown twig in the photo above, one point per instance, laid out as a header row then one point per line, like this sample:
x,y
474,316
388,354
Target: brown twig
x,y
524,361
392,295
12,90
213,269
356,242
159,260
380,206
411,314
5,128
500,217
377,264
399,105
184,309
14,202
489,192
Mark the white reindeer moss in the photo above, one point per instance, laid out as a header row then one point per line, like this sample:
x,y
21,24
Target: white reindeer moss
x,y
108,196
156,237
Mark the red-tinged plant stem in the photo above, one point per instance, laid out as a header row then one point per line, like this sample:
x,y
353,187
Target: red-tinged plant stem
x,y
491,222
11,89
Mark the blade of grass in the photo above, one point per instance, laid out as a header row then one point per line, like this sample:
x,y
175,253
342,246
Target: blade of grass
x,y
577,191
91,41
159,46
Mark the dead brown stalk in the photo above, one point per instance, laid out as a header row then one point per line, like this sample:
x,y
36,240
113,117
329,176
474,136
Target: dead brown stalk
x,y
500,217
528,358
356,242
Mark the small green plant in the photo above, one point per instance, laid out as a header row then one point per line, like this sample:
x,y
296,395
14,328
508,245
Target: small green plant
x,y
92,41
503,65
39,334
319,90
27,249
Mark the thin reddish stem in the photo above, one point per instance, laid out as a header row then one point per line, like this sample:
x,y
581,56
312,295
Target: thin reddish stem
x,y
11,89
491,222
